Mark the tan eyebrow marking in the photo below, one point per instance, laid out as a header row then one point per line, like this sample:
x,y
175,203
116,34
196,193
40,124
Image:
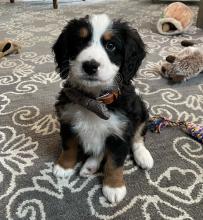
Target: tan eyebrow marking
x,y
108,35
83,32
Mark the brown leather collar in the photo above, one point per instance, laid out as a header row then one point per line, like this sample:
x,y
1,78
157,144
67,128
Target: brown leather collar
x,y
95,105
109,97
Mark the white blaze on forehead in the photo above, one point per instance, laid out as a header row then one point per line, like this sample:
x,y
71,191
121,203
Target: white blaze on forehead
x,y
99,23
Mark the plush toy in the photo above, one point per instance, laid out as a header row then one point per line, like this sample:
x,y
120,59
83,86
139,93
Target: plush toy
x,y
176,18
184,65
8,47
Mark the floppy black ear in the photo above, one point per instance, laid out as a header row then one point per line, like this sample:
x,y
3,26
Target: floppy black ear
x,y
68,44
60,49
134,54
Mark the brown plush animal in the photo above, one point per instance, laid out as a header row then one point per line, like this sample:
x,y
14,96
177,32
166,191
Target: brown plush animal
x,y
187,64
8,47
176,18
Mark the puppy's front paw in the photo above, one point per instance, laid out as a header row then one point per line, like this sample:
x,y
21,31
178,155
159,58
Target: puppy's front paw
x,y
143,158
114,195
59,171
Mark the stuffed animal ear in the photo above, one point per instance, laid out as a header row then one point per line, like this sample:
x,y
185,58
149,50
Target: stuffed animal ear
x,y
170,58
6,47
133,55
187,43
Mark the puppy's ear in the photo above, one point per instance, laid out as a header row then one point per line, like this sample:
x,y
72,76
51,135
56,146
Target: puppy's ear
x,y
60,49
134,54
66,46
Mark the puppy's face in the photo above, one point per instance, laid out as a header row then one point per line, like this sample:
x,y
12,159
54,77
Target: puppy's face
x,y
91,51
99,55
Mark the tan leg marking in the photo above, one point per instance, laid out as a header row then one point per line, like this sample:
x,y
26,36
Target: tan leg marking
x,y
68,158
113,176
113,185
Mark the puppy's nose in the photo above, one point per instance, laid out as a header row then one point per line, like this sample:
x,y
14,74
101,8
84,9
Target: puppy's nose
x,y
90,67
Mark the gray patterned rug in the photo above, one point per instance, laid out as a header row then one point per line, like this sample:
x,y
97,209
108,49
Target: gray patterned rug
x,y
29,132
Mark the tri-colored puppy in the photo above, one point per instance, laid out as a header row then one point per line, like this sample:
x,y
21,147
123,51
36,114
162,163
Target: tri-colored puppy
x,y
98,57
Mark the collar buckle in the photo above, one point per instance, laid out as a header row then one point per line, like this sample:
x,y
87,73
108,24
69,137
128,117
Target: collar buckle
x,y
109,97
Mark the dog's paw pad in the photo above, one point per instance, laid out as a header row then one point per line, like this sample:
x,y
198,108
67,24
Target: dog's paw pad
x,y
143,158
59,171
114,195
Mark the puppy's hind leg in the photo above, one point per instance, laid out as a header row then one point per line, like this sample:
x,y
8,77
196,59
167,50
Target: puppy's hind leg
x,y
141,155
91,165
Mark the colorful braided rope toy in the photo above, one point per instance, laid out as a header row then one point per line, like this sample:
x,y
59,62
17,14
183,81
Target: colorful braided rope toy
x,y
156,123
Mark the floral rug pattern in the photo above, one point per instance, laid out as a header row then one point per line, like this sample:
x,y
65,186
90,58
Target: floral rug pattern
x,y
29,131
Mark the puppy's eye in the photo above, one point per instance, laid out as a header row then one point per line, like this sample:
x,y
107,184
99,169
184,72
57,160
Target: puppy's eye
x,y
110,46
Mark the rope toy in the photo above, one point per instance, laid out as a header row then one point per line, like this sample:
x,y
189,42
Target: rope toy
x,y
156,123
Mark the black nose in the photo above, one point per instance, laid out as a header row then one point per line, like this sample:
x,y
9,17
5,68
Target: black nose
x,y
90,67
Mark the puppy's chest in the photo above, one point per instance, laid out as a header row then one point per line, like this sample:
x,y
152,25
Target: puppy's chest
x,y
91,129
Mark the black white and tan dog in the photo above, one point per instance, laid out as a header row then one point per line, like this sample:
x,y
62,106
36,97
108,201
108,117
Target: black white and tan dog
x,y
98,108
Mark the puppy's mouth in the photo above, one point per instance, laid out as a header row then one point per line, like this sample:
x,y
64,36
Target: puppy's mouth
x,y
90,78
93,82
94,79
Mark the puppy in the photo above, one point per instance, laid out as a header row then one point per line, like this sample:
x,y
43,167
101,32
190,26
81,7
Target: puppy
x,y
98,57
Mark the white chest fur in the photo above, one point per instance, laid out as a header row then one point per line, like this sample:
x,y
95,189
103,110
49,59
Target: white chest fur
x,y
93,130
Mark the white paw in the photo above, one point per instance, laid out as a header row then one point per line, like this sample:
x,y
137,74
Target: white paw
x,y
114,195
142,156
59,171
90,167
